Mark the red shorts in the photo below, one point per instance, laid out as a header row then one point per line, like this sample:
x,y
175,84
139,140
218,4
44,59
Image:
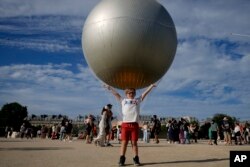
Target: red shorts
x,y
130,131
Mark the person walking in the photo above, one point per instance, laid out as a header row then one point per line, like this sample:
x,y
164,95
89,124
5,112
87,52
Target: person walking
x,y
6,131
22,130
214,131
99,141
226,127
238,134
62,132
186,131
146,132
109,125
130,127
89,128
156,128
68,130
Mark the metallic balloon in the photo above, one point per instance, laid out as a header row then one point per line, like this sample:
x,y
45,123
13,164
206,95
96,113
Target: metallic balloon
x,y
129,43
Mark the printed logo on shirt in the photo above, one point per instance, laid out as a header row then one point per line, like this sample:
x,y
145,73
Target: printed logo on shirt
x,y
131,102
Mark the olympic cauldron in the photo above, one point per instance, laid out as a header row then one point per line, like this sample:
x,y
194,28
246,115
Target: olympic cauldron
x,y
129,43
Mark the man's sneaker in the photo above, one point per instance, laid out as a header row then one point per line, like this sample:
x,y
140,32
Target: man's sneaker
x,y
122,160
136,161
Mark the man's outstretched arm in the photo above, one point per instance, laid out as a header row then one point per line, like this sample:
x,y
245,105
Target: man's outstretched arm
x,y
114,92
144,94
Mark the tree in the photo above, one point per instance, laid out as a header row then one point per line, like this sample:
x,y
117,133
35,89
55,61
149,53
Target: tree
x,y
219,117
203,131
12,115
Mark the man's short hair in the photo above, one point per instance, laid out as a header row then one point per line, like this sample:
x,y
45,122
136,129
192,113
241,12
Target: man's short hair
x,y
129,90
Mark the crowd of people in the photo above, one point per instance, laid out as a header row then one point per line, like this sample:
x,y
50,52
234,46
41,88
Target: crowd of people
x,y
184,132
237,132
100,133
181,131
177,131
62,131
105,131
151,130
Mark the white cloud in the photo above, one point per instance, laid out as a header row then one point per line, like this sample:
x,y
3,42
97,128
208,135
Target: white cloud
x,y
48,45
15,8
48,33
217,83
51,88
209,18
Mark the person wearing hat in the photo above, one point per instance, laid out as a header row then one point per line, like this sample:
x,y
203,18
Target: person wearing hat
x,y
130,113
109,106
226,127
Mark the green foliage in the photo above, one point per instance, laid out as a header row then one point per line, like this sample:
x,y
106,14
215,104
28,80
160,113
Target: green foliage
x,y
203,131
163,131
219,117
12,115
194,123
77,129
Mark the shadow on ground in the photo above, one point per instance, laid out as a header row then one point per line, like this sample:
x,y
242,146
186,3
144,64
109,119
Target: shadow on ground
x,y
188,161
35,148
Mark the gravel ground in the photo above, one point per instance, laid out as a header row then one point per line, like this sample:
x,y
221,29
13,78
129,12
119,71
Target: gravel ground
x,y
54,153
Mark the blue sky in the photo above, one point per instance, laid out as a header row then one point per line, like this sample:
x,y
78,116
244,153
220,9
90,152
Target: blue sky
x,y
42,64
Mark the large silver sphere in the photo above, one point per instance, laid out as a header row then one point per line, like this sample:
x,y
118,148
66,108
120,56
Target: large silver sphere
x,y
129,43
